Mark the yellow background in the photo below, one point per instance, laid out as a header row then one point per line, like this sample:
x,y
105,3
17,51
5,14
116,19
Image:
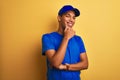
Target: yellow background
x,y
22,23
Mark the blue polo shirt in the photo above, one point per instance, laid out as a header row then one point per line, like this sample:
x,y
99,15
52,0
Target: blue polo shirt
x,y
74,49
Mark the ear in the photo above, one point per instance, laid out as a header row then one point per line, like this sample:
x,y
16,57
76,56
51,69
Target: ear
x,y
59,18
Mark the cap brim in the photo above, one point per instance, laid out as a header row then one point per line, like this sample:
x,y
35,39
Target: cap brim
x,y
77,12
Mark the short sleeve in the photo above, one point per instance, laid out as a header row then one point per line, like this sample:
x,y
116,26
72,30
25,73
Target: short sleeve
x,y
47,43
81,45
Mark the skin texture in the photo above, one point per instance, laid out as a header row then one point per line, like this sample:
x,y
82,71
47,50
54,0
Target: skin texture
x,y
66,23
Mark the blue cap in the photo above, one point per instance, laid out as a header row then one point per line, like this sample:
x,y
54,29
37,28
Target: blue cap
x,y
66,8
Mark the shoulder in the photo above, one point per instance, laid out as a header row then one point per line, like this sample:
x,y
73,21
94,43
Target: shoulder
x,y
48,34
77,37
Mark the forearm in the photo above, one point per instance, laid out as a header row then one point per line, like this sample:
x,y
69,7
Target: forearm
x,y
56,57
78,66
60,53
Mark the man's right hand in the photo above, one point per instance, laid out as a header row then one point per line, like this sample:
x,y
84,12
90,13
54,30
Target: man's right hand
x,y
69,33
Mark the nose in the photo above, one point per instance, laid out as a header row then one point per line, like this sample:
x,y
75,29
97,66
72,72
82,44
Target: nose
x,y
72,19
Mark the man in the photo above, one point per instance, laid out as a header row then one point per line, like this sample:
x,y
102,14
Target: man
x,y
65,51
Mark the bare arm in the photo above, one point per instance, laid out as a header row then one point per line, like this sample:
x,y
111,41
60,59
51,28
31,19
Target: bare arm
x,y
56,57
83,64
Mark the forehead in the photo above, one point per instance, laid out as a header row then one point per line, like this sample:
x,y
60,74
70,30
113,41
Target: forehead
x,y
70,13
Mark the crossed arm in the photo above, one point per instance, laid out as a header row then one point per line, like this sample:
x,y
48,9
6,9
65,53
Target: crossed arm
x,y
83,64
56,58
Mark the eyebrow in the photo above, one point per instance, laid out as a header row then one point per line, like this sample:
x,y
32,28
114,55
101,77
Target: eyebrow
x,y
69,14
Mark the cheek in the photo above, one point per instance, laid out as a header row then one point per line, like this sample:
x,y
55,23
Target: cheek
x,y
64,22
66,19
74,22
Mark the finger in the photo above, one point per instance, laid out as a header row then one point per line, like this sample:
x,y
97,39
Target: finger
x,y
66,28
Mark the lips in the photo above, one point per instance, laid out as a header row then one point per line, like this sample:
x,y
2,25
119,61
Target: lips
x,y
69,24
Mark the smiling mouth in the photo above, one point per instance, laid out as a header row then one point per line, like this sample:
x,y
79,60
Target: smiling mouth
x,y
70,24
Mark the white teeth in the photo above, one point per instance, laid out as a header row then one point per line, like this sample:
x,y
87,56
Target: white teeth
x,y
69,24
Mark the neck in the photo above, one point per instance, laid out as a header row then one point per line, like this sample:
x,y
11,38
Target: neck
x,y
60,30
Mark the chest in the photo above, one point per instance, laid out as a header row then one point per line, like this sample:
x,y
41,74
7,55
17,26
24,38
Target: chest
x,y
72,54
